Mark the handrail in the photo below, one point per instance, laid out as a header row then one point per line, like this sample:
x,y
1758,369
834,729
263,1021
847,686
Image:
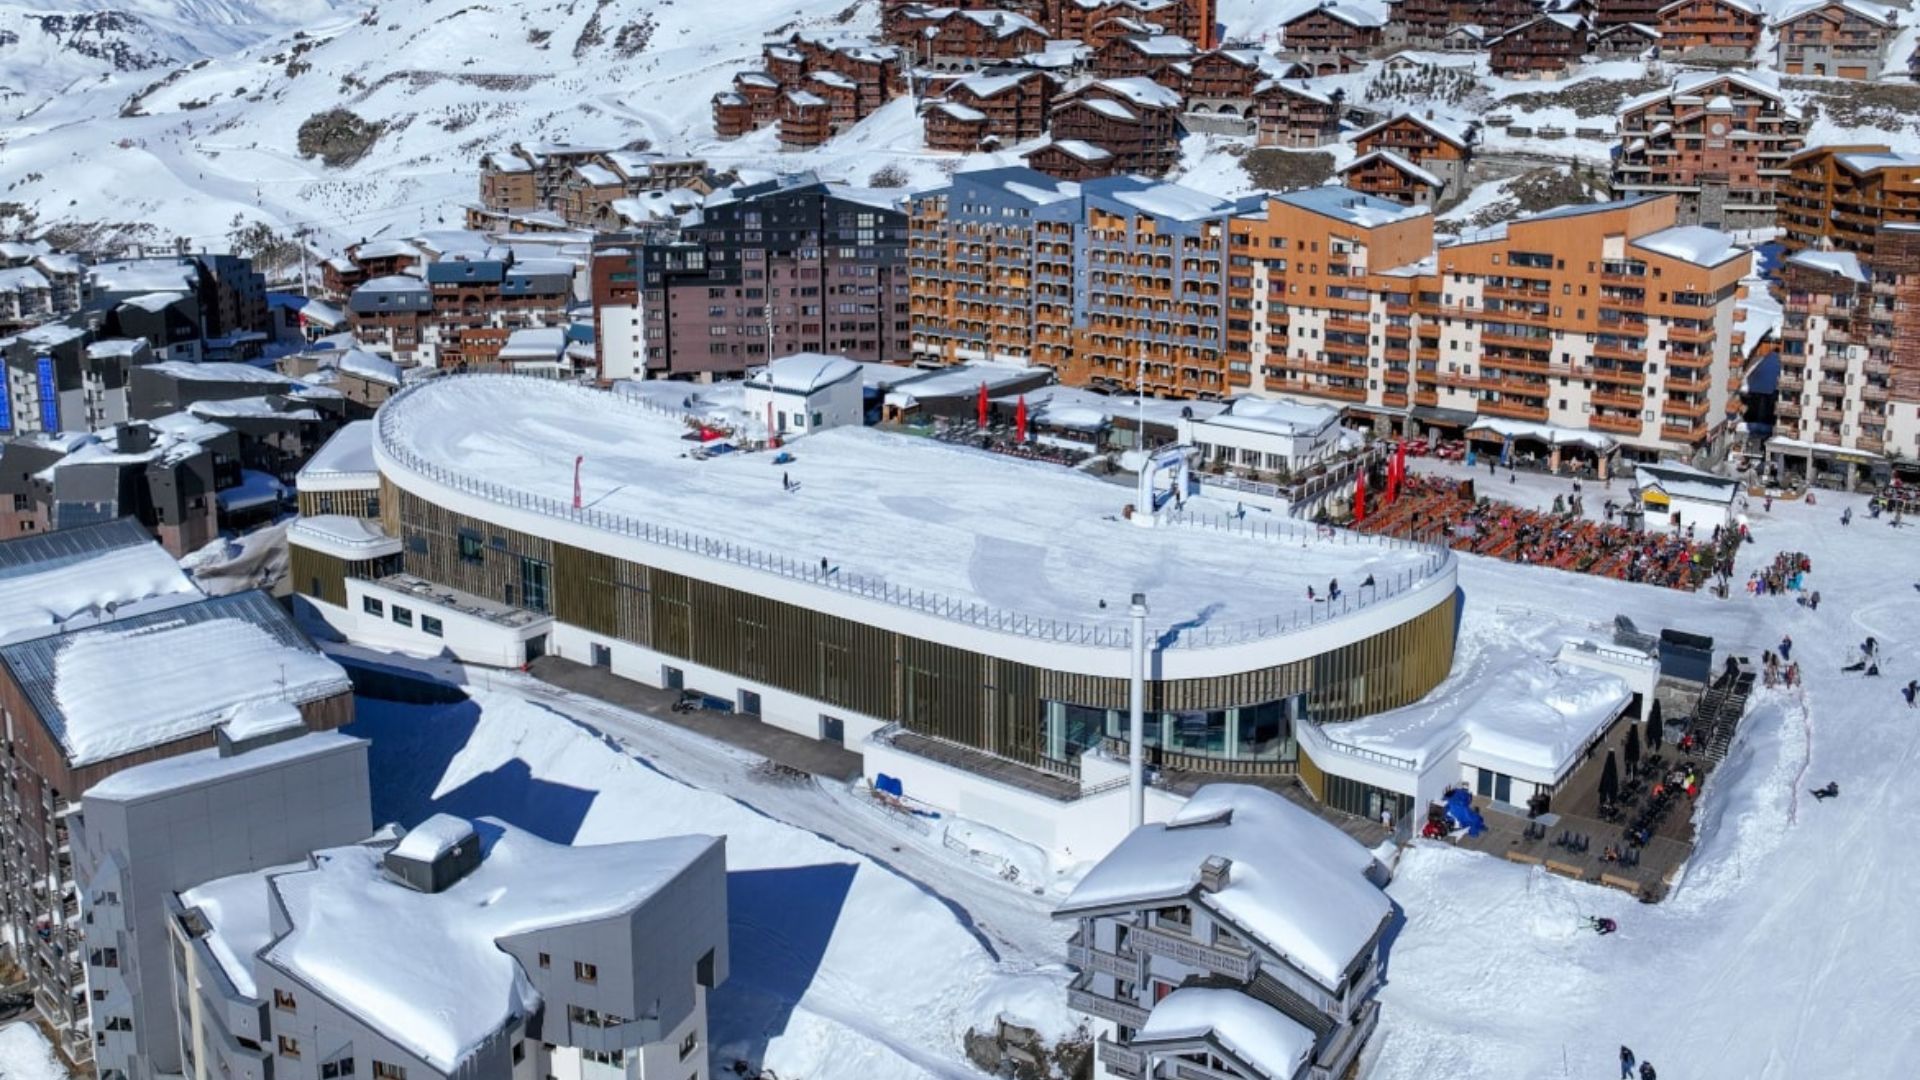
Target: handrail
x,y
1310,733
1114,635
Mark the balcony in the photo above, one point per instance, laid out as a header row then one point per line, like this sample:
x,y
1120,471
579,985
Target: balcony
x,y
1830,415
1833,363
1615,399
1231,963
1684,433
1513,410
1871,443
1119,1059
1080,999
1871,392
1619,425
1087,958
1792,384
1787,409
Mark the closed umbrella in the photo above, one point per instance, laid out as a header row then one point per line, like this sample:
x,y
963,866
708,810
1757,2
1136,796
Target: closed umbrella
x,y
1633,749
1609,781
1020,420
982,407
1655,731
1359,496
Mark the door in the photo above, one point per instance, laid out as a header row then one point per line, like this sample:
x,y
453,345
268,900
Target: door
x,y
833,729
749,703
536,647
672,677
602,656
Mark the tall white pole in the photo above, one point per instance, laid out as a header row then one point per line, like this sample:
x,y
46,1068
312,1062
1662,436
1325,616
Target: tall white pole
x,y
1136,717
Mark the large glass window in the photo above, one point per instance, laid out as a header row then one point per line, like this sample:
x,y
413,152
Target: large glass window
x,y
1073,729
1203,733
535,577
1263,732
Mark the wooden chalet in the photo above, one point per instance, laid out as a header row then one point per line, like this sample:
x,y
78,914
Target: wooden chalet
x,y
989,110
1387,175
1543,47
1293,116
1329,30
1710,29
1141,56
1846,39
1134,120
1071,159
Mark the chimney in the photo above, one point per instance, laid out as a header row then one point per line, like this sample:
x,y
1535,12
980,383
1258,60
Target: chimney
x,y
1215,873
133,438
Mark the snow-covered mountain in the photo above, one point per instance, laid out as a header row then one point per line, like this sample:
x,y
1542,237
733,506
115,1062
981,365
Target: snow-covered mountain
x,y
188,142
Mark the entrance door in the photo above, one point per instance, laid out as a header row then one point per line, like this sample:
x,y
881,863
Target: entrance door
x,y
833,729
672,677
536,647
602,656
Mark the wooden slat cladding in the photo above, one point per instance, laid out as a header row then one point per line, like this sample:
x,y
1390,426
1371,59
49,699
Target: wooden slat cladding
x,y
927,686
360,504
317,574
430,539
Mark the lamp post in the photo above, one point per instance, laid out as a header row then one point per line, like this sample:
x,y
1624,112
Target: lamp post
x,y
1136,716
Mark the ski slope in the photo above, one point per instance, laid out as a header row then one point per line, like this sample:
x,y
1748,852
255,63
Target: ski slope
x,y
1784,952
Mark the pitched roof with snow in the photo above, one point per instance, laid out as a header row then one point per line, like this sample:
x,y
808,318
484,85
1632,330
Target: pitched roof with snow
x,y
1844,263
1297,886
1694,244
158,677
803,373
56,581
1439,129
1406,167
1358,18
1257,1034
1140,91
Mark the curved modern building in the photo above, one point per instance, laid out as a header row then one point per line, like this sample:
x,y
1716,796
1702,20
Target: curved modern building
x,y
958,618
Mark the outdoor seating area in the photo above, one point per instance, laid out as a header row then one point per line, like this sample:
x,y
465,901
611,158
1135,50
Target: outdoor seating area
x,y
1013,440
1439,509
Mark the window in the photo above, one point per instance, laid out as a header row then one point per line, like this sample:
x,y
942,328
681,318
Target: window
x,y
333,1069
372,606
689,1044
403,616
384,1071
472,549
432,626
534,578
289,1046
546,961
283,1000
585,972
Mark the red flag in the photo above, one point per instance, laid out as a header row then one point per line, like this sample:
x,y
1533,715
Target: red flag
x,y
1359,496
1020,420
1399,471
983,406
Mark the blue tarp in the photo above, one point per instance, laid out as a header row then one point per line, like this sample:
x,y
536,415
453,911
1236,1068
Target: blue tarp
x,y
1460,809
888,784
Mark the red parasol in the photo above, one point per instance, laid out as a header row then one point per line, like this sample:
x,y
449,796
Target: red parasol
x,y
1020,420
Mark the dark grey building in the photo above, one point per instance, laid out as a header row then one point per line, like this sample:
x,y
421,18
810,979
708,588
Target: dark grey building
x,y
257,799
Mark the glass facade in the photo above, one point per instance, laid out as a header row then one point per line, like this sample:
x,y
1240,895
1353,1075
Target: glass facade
x,y
1262,732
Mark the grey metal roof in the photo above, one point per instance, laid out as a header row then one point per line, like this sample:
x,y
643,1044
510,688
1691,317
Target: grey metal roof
x,y
32,663
47,551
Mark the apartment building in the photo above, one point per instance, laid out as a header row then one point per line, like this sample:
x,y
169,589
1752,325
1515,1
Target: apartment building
x,y
1239,940
95,690
1710,29
1131,56
1846,39
1543,47
1608,14
369,259
1625,41
959,39
1721,142
785,266
1386,175
1849,390
987,111
1093,21
151,830
477,950
801,79
478,302
1840,197
588,196
1608,317
529,176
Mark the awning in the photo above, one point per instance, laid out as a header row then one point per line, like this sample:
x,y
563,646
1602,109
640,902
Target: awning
x,y
1433,414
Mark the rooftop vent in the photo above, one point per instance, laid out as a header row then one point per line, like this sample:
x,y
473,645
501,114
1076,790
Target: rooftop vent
x,y
435,854
133,438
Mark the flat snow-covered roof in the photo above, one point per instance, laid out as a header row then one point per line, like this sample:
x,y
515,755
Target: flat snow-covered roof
x,y
1011,535
343,463
1297,885
203,767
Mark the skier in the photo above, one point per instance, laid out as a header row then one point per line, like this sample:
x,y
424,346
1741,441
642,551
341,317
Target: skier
x,y
1911,691
1786,647
1646,1071
1813,601
1846,516
1626,1064
1832,790
786,482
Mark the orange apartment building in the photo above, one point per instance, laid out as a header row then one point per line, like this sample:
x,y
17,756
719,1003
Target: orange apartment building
x,y
983,112
1721,142
1286,115
1846,39
1608,318
1710,29
1543,47
1841,197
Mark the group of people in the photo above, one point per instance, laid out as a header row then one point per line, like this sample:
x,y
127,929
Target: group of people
x,y
1775,669
1787,574
1627,1063
1562,537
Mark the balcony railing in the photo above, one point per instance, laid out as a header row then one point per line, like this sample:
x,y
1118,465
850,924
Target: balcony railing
x,y
1080,999
1233,964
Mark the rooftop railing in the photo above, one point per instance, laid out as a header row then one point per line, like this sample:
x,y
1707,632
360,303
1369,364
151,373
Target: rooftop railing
x,y
1434,560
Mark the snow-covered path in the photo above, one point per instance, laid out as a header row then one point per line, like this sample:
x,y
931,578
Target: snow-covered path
x,y
1784,952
